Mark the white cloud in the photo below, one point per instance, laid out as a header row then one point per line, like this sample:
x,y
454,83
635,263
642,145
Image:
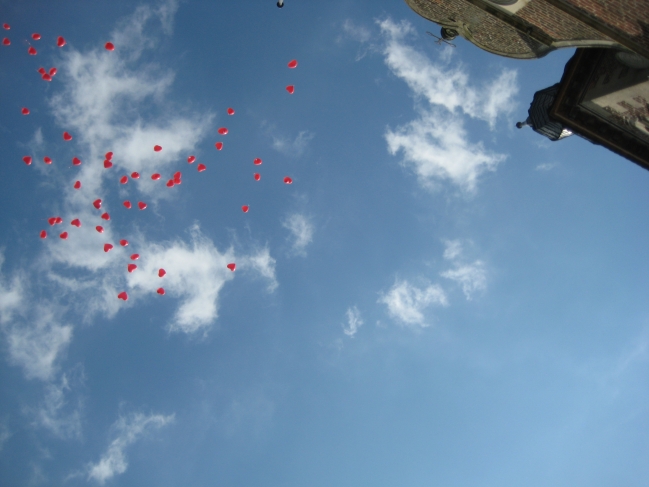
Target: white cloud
x,y
472,277
360,34
263,264
546,166
453,249
406,302
354,321
436,145
52,415
301,232
127,430
295,147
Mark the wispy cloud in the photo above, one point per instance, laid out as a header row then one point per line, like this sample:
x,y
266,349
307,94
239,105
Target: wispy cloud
x,y
360,34
64,422
354,321
471,277
436,145
127,430
546,166
301,232
293,147
407,302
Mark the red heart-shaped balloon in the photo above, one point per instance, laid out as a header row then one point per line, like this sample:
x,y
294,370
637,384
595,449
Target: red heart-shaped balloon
x,y
108,156
123,243
288,180
157,148
191,159
36,36
155,176
47,160
177,175
108,164
59,220
42,70
135,175
160,291
219,145
6,41
76,161
141,205
290,89
99,228
257,161
67,137
230,111
161,273
223,131
170,183
123,179
77,184
245,208
53,71
60,41
6,26
108,247
135,256
127,204
105,216
32,51
25,111
292,64
43,234
64,235
27,160
201,167
232,266
257,176
52,221
109,46
76,222
178,181
97,203
123,295
46,77
131,267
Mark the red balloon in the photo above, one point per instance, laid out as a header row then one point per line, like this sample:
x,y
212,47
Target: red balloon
x,y
108,156
288,180
27,160
108,247
36,36
219,145
230,111
245,208
232,266
123,179
177,175
257,161
131,267
123,243
105,216
6,41
108,164
141,205
43,234
53,71
25,111
135,256
127,205
46,77
292,64
59,220
178,181
161,273
67,137
290,89
6,26
32,51
77,184
201,167
64,235
170,183
160,291
97,203
76,161
42,70
52,221
99,228
257,176
223,131
157,148
60,41
135,175
76,222
191,159
109,46
155,176
47,160
123,295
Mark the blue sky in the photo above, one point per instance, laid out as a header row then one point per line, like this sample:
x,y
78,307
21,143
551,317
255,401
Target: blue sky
x,y
437,299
